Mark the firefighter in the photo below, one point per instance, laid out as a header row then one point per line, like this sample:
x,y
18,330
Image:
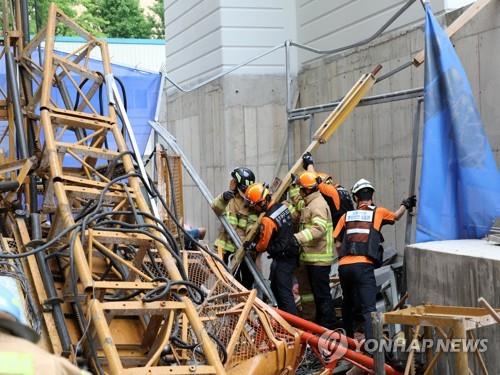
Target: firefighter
x,y
315,238
18,353
358,243
275,236
231,204
338,198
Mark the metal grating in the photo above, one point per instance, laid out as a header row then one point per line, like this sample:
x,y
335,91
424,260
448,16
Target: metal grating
x,y
170,187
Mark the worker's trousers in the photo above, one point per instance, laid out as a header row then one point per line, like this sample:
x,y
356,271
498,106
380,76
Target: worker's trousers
x,y
319,279
243,275
281,278
359,288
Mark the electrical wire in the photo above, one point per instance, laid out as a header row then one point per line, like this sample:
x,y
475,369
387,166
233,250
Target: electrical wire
x,y
95,216
181,227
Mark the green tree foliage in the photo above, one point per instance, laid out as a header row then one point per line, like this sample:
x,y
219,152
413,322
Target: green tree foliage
x,y
91,19
157,20
40,9
103,18
123,19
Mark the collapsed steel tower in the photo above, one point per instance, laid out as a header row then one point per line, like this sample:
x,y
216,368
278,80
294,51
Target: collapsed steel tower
x,y
116,292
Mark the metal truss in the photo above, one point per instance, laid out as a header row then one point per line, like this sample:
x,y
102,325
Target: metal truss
x,y
116,289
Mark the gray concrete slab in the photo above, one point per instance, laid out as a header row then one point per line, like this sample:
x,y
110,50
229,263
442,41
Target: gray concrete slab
x,y
457,273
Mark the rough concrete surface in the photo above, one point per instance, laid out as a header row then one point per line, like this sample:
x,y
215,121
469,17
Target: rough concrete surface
x,y
241,119
457,273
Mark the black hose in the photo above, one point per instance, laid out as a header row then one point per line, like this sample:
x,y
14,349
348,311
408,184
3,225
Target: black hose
x,y
186,233
150,157
161,291
124,93
77,99
126,297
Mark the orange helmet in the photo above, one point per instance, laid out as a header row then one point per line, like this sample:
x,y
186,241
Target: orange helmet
x,y
257,193
325,177
308,180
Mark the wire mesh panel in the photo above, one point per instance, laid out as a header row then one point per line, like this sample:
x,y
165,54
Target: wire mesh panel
x,y
169,169
223,308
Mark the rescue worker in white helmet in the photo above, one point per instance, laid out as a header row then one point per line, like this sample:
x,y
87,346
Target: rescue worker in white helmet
x,y
231,204
18,353
358,243
315,239
275,236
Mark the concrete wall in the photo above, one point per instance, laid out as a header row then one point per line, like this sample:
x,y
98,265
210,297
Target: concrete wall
x,y
375,142
327,24
241,120
211,36
457,273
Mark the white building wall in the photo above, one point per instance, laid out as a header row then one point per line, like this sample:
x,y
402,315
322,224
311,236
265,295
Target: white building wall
x,y
207,37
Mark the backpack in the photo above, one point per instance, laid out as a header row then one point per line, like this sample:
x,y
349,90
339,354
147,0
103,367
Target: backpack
x,y
346,204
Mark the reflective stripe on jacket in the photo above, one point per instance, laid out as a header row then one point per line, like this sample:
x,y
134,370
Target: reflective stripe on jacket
x,y
359,232
315,235
239,216
21,357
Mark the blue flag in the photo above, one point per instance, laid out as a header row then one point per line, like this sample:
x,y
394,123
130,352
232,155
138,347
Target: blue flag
x,y
460,183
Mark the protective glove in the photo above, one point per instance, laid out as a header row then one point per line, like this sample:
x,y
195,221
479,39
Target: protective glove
x,y
228,195
307,160
410,202
250,246
296,242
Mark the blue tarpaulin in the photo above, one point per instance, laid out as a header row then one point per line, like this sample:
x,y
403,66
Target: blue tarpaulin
x,y
141,88
460,182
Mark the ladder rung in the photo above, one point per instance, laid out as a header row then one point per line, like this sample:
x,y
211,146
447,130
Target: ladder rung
x,y
139,307
77,122
160,370
88,192
81,115
128,285
98,153
108,237
79,181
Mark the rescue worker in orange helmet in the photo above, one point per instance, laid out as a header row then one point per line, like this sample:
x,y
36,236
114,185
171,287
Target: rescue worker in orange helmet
x,y
315,238
275,236
231,204
358,243
338,198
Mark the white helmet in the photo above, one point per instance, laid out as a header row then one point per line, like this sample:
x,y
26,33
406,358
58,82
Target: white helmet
x,y
360,185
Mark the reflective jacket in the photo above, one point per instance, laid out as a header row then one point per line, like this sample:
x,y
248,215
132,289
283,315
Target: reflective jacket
x,y
276,231
359,231
239,216
21,357
315,235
